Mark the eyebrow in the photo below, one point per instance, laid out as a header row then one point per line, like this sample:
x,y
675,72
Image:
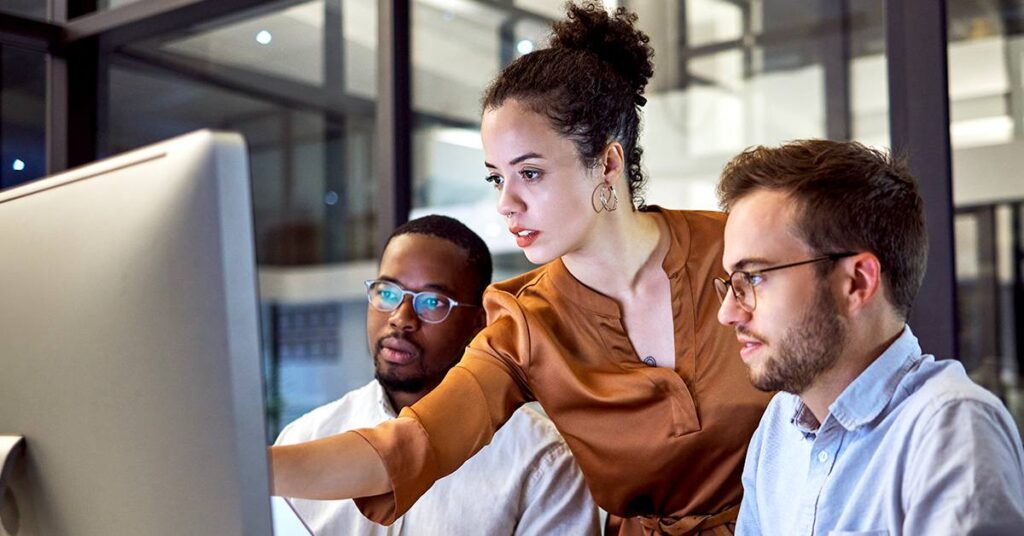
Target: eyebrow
x,y
438,287
747,263
516,160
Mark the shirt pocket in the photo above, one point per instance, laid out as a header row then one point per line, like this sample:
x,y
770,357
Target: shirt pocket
x,y
679,398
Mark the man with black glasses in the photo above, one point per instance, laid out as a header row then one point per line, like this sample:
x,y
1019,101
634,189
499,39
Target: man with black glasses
x,y
825,247
424,309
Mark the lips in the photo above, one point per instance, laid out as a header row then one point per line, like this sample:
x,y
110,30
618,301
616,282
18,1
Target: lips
x,y
748,348
397,351
749,345
524,236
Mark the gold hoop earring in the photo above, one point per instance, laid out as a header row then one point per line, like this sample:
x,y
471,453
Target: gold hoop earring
x,y
604,198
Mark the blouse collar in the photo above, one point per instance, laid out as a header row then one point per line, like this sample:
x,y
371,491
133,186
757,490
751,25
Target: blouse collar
x,y
675,260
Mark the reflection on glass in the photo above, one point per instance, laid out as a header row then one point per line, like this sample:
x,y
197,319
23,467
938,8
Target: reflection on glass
x,y
986,88
287,43
23,109
111,4
25,8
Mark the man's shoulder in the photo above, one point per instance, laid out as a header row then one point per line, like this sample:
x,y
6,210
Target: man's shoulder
x,y
353,410
936,404
935,384
528,436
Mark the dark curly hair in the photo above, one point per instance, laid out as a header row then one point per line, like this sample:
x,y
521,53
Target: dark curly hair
x,y
478,256
589,83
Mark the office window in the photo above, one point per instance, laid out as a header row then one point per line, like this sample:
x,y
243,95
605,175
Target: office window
x,y
285,80
35,9
299,82
447,154
23,114
729,75
986,88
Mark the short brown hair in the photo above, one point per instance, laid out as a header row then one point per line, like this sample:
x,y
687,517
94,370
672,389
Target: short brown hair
x,y
849,198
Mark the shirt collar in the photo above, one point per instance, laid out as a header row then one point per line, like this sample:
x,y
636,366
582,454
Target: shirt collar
x,y
864,399
382,400
803,419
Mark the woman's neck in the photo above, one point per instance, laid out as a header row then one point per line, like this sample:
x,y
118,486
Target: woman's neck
x,y
619,251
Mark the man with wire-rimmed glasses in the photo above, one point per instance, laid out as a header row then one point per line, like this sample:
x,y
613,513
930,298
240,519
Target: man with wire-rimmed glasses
x,y
424,308
825,248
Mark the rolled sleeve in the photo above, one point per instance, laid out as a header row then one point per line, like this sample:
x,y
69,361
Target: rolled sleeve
x,y
404,447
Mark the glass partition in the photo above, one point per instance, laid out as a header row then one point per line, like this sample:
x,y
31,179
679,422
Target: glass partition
x,y
986,88
23,108
26,8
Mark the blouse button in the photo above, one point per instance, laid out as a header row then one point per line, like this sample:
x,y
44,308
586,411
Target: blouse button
x,y
650,362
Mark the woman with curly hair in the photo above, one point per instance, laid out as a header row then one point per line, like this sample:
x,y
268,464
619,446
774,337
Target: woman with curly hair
x,y
615,334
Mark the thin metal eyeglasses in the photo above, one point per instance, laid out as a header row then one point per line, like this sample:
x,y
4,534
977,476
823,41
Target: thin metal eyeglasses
x,y
430,307
743,283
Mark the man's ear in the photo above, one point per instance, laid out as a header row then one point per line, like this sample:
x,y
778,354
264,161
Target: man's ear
x,y
479,323
862,280
613,162
481,320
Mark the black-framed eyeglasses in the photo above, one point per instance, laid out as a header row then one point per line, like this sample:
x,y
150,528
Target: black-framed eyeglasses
x,y
742,283
431,307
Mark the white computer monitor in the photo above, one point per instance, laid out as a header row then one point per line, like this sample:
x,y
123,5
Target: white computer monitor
x,y
129,346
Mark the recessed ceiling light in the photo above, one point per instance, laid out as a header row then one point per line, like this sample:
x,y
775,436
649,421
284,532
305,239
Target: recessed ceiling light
x,y
18,165
525,46
263,37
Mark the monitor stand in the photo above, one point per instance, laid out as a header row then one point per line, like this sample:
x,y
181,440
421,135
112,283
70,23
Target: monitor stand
x,y
10,450
10,447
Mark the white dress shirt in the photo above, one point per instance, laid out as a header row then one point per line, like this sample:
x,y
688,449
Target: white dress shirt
x,y
524,483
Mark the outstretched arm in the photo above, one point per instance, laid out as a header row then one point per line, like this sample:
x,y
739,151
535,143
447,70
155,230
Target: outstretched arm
x,y
341,466
387,467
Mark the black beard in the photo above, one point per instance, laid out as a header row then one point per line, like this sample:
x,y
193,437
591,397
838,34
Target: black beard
x,y
395,383
806,350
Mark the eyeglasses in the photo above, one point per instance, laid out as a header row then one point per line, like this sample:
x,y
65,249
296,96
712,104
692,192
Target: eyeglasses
x,y
431,307
743,283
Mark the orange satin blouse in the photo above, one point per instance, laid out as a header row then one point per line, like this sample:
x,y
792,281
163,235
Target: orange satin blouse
x,y
664,443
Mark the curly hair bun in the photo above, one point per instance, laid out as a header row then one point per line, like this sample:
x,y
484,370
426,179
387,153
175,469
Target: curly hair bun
x,y
613,37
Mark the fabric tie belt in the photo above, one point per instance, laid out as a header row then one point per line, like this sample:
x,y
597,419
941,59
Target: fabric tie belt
x,y
692,524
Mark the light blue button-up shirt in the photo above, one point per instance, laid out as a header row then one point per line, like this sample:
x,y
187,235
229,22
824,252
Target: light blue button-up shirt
x,y
912,446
